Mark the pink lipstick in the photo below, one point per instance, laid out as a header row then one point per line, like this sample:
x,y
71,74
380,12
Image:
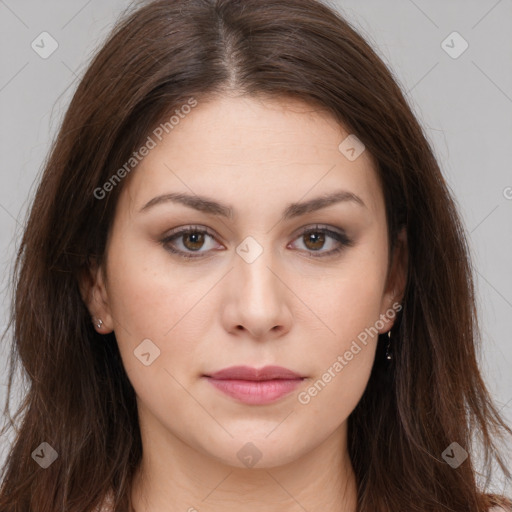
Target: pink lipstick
x,y
255,386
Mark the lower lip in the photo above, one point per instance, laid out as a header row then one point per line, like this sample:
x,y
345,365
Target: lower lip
x,y
255,392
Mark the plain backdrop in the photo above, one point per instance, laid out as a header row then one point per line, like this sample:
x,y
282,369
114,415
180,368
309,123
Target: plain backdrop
x,y
463,100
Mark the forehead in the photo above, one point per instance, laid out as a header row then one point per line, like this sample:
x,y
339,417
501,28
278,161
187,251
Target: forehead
x,y
251,152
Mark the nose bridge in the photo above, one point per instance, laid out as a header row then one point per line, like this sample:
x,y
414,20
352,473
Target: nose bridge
x,y
253,274
258,292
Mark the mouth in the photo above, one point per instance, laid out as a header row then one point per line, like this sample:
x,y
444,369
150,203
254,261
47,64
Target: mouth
x,y
255,386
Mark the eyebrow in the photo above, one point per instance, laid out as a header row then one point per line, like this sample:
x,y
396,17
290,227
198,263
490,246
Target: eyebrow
x,y
211,207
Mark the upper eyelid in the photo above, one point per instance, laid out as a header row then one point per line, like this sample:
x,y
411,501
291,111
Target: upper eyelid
x,y
198,228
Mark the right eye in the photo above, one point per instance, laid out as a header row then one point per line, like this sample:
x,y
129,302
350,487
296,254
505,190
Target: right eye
x,y
191,238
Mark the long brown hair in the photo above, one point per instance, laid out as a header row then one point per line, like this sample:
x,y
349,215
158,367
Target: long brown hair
x,y
79,399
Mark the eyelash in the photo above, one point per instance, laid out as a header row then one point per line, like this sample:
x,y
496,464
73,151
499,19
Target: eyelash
x,y
338,236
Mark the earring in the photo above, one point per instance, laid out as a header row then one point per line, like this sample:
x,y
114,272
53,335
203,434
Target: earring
x,y
388,350
100,321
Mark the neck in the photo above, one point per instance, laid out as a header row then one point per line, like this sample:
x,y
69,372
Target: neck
x,y
174,476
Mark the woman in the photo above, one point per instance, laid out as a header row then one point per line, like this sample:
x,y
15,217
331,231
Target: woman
x,y
244,284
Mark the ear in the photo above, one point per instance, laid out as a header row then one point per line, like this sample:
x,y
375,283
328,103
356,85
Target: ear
x,y
396,282
94,294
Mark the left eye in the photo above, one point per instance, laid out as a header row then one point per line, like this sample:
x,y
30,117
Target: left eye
x,y
315,237
193,239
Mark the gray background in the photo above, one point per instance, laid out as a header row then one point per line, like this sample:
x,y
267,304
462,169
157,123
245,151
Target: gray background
x,y
464,103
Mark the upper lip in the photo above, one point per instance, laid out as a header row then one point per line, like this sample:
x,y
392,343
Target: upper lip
x,y
249,373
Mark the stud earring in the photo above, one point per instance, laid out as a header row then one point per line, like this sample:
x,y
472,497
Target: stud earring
x,y
100,322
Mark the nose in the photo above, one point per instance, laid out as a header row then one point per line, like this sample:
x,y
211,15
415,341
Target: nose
x,y
257,299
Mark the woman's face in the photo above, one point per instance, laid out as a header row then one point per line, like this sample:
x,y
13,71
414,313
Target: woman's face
x,y
256,291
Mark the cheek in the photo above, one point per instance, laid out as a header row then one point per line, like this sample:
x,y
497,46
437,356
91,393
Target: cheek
x,y
154,333
349,306
146,295
343,359
349,299
150,306
331,397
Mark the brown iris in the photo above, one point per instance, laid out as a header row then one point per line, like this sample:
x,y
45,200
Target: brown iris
x,y
315,237
198,240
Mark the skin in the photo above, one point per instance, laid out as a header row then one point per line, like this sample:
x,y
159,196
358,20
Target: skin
x,y
286,308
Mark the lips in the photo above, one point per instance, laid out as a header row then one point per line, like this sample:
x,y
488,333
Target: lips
x,y
249,373
254,386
